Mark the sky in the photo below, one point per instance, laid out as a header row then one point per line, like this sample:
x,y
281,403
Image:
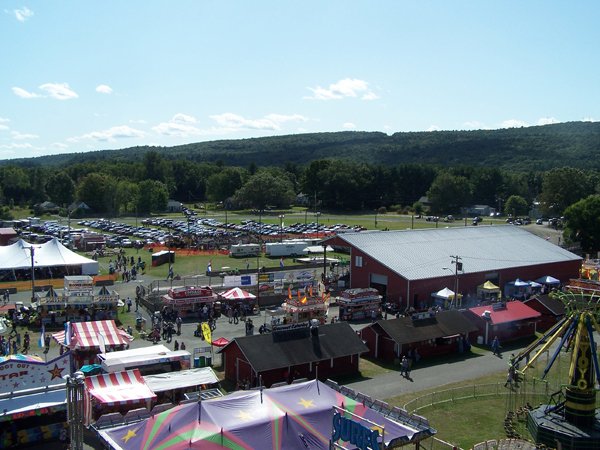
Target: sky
x,y
81,76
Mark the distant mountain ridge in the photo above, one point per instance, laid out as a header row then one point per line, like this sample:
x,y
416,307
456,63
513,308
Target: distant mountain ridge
x,y
574,144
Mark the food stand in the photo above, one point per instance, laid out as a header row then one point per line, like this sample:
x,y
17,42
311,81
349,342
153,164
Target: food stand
x,y
77,303
304,308
188,300
359,304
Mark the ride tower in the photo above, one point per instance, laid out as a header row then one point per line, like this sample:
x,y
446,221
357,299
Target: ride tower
x,y
570,421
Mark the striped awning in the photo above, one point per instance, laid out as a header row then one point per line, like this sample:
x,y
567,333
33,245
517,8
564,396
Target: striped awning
x,y
86,335
119,388
237,294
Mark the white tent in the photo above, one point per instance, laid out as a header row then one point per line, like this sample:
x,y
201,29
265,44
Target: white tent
x,y
50,254
444,293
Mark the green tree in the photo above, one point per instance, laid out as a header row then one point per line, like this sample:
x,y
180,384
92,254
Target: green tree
x,y
583,223
126,197
562,187
448,193
516,205
60,188
153,196
225,183
15,182
97,191
266,189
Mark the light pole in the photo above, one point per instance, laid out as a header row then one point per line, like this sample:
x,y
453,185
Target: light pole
x,y
457,266
281,217
318,213
75,409
375,218
32,252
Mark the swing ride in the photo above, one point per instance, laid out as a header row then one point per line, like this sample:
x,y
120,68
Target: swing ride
x,y
569,420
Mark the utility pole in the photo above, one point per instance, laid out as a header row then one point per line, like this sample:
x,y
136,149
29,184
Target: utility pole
x,y
458,265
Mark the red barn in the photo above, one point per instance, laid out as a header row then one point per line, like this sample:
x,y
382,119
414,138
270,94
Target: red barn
x,y
431,334
551,309
408,266
509,321
292,352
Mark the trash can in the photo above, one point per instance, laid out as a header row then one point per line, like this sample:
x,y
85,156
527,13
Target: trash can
x,y
479,340
208,361
202,361
196,362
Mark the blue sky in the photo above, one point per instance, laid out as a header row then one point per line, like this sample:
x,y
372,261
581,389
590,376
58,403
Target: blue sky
x,y
80,76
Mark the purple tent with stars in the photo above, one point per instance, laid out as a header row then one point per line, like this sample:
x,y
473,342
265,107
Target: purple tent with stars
x,y
287,417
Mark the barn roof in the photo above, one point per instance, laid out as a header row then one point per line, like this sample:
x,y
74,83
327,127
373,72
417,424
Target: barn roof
x,y
267,352
554,305
405,330
422,254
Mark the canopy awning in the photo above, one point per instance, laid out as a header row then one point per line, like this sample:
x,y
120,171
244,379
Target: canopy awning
x,y
489,286
181,380
221,342
237,294
119,388
548,280
444,293
86,335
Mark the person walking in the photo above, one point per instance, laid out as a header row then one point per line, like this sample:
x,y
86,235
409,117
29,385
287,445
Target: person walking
x,y
176,345
496,346
178,322
405,367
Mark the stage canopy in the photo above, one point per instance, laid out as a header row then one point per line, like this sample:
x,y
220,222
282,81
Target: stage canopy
x,y
444,293
290,416
237,294
87,335
49,254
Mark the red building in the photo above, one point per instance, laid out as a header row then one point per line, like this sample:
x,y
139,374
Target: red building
x,y
408,266
551,309
7,236
509,321
430,334
291,352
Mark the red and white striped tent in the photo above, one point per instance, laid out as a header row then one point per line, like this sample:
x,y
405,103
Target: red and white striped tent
x,y
237,294
116,389
90,335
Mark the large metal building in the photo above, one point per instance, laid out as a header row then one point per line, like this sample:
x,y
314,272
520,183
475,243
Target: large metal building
x,y
408,266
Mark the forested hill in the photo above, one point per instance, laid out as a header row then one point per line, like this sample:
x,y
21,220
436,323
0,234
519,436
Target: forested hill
x,y
575,144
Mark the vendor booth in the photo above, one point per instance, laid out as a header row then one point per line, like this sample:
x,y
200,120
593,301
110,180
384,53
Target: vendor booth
x,y
518,289
88,339
188,300
115,392
172,387
148,360
33,400
488,292
444,298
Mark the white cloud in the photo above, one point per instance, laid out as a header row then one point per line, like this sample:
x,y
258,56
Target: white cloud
x,y
348,126
348,87
179,125
23,14
59,91
3,120
433,128
20,92
183,118
270,122
104,89
59,145
589,119
15,145
22,136
513,123
547,120
112,134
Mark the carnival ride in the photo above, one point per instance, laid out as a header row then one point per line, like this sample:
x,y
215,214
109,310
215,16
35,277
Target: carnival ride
x,y
566,418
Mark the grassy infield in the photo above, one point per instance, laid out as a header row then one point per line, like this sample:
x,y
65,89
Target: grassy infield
x,y
462,423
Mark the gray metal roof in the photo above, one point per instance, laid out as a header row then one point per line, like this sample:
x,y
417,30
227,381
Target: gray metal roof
x,y
422,254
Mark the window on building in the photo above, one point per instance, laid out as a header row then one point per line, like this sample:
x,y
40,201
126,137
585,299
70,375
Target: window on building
x,y
358,261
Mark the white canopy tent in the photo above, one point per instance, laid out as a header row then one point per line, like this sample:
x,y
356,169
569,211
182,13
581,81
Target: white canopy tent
x,y
50,254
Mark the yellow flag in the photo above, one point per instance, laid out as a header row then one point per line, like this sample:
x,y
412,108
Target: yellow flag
x,y
206,332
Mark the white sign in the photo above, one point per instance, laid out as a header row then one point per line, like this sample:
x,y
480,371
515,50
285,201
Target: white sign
x,y
17,375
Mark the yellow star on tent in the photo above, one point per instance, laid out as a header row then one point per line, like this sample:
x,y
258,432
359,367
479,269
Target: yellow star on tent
x,y
378,428
306,403
129,435
243,415
56,372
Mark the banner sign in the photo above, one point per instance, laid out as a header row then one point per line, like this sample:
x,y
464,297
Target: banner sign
x,y
17,374
353,432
